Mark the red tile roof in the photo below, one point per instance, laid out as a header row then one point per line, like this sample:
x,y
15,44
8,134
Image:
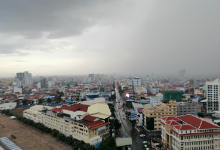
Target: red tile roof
x,y
89,118
172,122
184,127
76,107
197,122
57,110
177,85
95,123
69,108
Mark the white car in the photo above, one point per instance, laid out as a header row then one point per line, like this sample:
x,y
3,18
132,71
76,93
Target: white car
x,y
142,135
145,145
144,142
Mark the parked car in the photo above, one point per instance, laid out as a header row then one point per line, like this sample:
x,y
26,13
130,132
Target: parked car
x,y
142,135
144,142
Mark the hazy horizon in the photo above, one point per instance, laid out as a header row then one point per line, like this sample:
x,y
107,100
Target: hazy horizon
x,y
81,37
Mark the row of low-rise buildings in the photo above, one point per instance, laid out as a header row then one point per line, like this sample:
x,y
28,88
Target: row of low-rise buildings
x,y
72,88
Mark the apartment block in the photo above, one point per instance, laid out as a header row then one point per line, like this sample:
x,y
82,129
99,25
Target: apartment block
x,y
153,114
78,120
189,132
185,108
213,96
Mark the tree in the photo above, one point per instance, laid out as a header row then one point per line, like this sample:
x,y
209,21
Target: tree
x,y
200,115
40,101
54,132
108,144
49,100
133,122
59,99
25,102
61,93
117,124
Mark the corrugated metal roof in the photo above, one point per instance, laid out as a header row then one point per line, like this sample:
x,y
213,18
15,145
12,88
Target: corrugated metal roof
x,y
99,108
123,141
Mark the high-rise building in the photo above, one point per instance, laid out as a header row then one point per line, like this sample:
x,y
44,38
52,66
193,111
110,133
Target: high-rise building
x,y
39,85
196,83
189,132
20,76
43,82
136,81
212,94
25,78
92,77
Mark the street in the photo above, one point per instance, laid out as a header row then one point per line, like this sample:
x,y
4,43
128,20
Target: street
x,y
127,130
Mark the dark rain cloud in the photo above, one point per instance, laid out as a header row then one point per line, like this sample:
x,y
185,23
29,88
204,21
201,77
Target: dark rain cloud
x,y
149,36
59,18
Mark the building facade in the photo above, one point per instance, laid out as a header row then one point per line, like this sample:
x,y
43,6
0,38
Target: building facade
x,y
136,81
92,77
8,106
189,132
73,120
43,82
28,78
185,108
153,115
25,78
173,95
213,95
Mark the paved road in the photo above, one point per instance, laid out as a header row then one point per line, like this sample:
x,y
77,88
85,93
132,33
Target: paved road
x,y
127,130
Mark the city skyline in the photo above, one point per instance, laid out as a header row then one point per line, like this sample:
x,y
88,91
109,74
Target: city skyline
x,y
81,37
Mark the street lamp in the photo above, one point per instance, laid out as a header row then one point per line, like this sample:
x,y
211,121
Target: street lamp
x,y
112,121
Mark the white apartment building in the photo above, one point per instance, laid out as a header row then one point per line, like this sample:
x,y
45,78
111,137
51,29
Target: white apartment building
x,y
8,106
28,78
189,132
136,81
38,85
213,95
92,77
83,122
18,89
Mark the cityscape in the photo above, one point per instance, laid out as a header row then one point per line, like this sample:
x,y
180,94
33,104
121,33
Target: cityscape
x,y
109,75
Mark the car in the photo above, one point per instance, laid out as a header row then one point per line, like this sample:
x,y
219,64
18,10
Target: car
x,y
145,145
144,142
142,135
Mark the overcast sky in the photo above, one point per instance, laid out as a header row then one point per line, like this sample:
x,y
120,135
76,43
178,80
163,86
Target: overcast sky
x,y
67,37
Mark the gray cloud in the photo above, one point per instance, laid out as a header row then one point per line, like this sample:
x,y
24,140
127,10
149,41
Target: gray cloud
x,y
59,18
148,36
